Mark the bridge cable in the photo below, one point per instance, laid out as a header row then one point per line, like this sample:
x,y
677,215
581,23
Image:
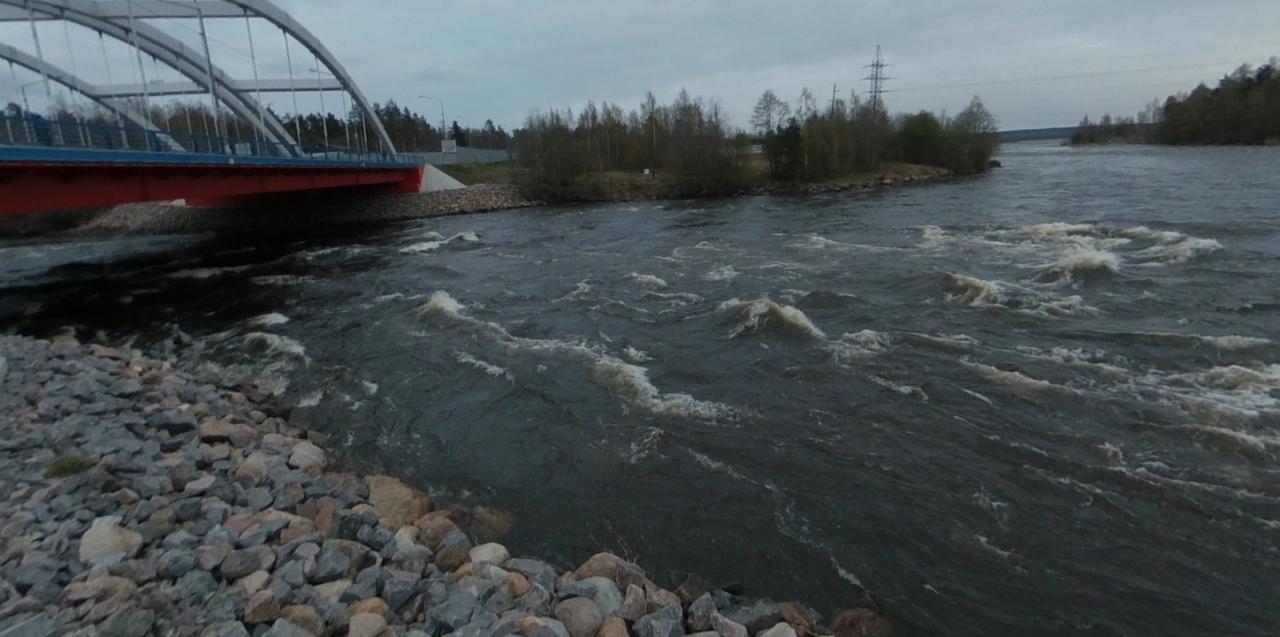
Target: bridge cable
x,y
44,70
208,69
164,110
124,136
71,52
142,71
324,114
253,58
346,117
293,93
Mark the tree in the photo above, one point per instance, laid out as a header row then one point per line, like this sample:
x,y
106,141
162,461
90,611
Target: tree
x,y
973,132
769,112
923,140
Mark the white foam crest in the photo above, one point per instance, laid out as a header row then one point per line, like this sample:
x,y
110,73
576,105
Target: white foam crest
x,y
1239,376
818,242
1234,343
646,280
205,273
277,343
421,247
282,279
267,320
636,355
978,396
721,273
1144,233
435,240
675,299
311,399
974,291
711,464
370,387
905,390
1180,252
488,368
1083,262
580,288
628,382
1015,380
869,340
977,292
759,313
644,446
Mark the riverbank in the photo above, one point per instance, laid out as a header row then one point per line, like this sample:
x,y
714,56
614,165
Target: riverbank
x,y
496,192
144,499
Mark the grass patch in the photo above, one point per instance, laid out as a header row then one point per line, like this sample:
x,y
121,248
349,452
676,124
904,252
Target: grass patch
x,y
68,466
472,174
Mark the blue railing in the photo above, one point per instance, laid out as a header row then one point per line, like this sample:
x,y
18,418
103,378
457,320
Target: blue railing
x,y
36,131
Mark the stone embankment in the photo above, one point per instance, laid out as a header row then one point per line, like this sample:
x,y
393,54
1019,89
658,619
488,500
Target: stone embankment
x,y
144,500
917,174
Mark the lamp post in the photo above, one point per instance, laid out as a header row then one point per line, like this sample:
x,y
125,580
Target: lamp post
x,y
444,132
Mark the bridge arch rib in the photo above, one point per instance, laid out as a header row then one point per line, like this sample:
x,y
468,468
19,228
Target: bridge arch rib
x,y
61,76
168,50
109,17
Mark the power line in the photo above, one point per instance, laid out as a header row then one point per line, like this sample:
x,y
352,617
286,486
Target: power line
x,y
877,80
1058,78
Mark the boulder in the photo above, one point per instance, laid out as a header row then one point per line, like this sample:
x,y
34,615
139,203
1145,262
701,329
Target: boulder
x,y
366,625
700,613
304,617
263,607
453,551
780,629
634,606
307,456
397,502
861,622
611,566
580,616
613,627
756,616
106,542
491,553
665,622
237,434
727,627
286,628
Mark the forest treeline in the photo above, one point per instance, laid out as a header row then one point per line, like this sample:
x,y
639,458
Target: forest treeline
x,y
1243,109
410,132
690,145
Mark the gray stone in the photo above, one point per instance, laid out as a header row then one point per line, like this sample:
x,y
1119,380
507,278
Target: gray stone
x,y
107,542
37,626
366,625
453,551
129,622
634,605
580,616
491,553
331,564
544,627
245,561
601,590
756,616
665,622
226,629
535,602
195,585
306,455
780,629
175,564
285,628
700,613
727,627
456,609
538,572
399,589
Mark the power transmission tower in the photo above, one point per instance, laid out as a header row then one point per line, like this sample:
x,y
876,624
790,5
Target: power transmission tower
x,y
877,80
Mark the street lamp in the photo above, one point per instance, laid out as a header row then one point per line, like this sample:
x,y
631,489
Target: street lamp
x,y
444,132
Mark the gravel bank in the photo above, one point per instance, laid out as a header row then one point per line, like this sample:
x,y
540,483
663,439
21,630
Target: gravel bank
x,y
146,500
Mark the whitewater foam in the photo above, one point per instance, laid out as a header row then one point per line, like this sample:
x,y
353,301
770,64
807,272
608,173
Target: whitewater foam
x,y
267,320
758,314
721,273
277,343
646,280
488,368
630,383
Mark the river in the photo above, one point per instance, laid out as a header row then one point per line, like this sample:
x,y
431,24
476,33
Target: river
x,y
1041,401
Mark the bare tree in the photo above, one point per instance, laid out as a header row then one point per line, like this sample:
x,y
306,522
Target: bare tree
x,y
770,112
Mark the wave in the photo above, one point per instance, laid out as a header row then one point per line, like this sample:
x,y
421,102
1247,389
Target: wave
x,y
1087,248
1234,343
646,280
721,273
1015,380
1083,265
758,314
819,242
630,383
205,273
636,355
435,240
267,320
282,279
1181,252
488,368
977,292
277,344
580,288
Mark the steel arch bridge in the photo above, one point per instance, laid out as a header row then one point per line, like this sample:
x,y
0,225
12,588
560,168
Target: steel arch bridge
x,y
55,164
124,20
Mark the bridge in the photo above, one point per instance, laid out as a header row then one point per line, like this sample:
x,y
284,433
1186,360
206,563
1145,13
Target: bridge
x,y
104,143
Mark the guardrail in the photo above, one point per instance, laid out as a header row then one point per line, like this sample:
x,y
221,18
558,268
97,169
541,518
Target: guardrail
x,y
36,131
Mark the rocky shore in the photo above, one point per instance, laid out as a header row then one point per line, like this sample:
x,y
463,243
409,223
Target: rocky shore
x,y
141,499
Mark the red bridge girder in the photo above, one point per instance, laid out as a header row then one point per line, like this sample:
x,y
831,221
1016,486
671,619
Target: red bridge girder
x,y
46,186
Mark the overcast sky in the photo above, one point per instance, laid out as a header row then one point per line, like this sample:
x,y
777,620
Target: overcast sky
x,y
502,58
1035,62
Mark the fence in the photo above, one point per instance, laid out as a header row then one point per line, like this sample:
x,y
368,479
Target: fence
x,y
34,130
463,156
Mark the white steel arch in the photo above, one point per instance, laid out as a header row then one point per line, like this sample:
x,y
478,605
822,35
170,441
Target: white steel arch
x,y
112,18
156,43
61,76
